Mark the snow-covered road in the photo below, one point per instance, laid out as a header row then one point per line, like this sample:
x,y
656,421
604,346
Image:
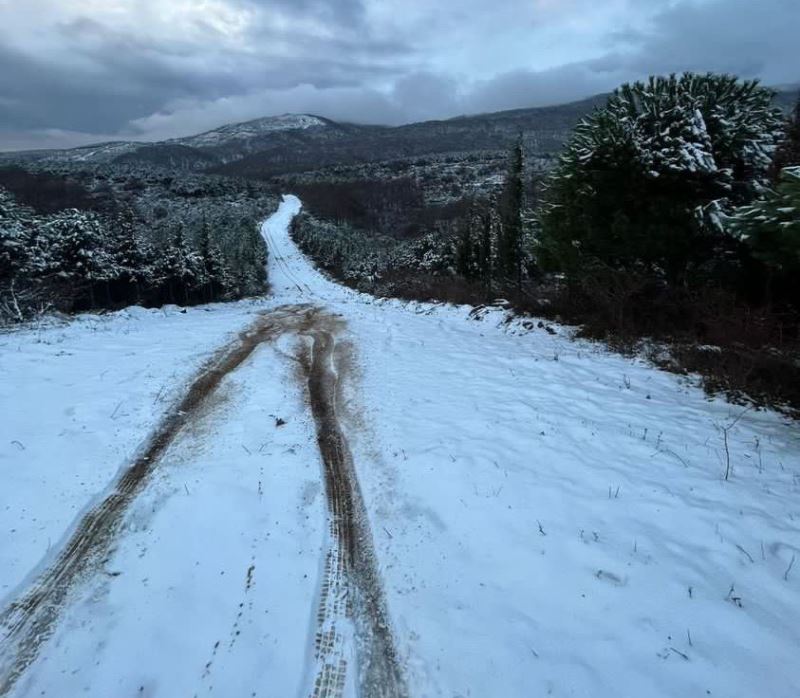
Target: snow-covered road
x,y
542,517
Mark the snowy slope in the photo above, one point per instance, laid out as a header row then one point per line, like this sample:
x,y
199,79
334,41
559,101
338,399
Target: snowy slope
x,y
257,128
99,153
548,518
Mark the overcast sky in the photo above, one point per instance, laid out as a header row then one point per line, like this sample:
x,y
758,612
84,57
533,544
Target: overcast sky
x,y
78,71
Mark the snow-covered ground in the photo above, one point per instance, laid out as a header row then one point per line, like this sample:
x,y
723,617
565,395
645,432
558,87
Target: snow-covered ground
x,y
548,518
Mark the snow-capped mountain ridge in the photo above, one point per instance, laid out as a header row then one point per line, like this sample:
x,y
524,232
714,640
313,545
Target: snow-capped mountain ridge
x,y
251,129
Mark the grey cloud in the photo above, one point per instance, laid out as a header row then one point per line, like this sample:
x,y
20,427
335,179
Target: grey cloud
x,y
323,56
751,39
131,76
733,36
425,95
526,88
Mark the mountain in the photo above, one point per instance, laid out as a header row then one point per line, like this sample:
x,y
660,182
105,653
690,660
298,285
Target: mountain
x,y
544,130
299,142
202,151
96,153
296,142
233,141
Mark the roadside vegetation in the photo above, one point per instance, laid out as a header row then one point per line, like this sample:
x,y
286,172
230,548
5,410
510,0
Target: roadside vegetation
x,y
670,224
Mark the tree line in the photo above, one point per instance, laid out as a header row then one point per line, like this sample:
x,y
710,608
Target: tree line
x,y
73,260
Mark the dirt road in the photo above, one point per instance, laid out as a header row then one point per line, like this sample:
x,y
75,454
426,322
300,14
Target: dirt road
x,y
352,602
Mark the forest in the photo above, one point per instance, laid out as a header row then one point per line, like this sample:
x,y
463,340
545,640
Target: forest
x,y
73,239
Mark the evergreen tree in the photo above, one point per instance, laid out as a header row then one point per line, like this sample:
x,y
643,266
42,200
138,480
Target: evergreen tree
x,y
14,237
468,247
218,280
509,241
771,226
489,226
180,269
250,258
75,252
135,258
645,182
476,254
788,152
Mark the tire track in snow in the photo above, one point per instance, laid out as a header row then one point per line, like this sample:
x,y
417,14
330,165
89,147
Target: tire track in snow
x,y
302,287
351,585
351,581
353,620
30,620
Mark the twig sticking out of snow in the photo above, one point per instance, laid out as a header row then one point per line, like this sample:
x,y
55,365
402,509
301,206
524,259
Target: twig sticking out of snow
x,y
678,652
789,569
725,430
737,600
749,557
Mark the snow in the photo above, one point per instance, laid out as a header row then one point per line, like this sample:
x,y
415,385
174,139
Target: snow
x,y
549,518
485,434
251,129
82,398
102,152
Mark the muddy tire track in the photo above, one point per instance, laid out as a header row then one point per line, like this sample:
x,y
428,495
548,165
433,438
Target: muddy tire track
x,y
351,558
352,619
30,620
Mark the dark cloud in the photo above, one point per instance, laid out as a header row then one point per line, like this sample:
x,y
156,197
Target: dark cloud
x,y
37,94
139,71
743,37
113,77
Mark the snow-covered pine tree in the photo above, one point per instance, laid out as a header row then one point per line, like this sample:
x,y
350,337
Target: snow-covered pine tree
x,y
218,279
75,253
771,226
16,292
644,182
15,225
489,233
788,152
250,257
135,258
509,240
180,268
468,245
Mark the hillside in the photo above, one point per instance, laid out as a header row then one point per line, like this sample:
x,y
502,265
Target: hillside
x,y
293,143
